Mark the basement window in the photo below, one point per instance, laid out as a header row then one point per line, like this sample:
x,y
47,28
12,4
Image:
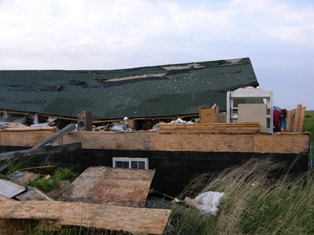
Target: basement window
x,y
127,162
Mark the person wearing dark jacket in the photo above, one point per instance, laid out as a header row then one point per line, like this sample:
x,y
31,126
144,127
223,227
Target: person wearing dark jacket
x,y
276,120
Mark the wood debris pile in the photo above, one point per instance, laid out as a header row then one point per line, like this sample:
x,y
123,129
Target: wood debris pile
x,y
101,198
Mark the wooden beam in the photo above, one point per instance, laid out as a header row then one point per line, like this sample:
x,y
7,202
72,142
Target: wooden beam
x,y
97,216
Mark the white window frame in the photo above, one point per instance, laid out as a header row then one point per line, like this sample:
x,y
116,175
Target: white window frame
x,y
130,160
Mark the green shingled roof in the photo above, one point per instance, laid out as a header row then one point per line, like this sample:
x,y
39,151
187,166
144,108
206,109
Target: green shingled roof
x,y
157,91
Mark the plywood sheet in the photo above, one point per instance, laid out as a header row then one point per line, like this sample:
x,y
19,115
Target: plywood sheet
x,y
9,189
281,143
27,138
115,186
99,216
202,143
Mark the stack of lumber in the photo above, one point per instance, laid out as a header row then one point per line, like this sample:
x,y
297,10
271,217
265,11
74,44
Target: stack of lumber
x,y
210,128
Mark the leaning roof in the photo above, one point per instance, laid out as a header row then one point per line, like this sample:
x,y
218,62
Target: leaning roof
x,y
157,91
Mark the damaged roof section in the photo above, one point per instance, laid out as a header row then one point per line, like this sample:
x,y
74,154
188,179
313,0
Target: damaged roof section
x,y
158,91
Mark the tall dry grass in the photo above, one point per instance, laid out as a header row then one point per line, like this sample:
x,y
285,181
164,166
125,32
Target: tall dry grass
x,y
257,201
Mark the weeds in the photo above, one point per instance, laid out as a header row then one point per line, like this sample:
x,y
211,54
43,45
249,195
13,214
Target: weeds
x,y
15,165
47,184
254,204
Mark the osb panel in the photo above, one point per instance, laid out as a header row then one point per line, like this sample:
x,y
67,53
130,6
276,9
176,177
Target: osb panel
x,y
109,140
27,139
114,186
99,216
202,143
281,143
163,142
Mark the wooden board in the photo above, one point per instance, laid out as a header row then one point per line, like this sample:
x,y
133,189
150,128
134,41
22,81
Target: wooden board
x,y
28,128
209,128
98,216
295,119
290,120
114,186
296,124
301,119
9,189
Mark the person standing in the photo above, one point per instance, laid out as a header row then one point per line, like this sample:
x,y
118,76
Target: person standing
x,y
276,120
283,115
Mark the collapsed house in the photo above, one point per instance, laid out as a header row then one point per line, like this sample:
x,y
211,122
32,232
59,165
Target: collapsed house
x,y
149,95
222,119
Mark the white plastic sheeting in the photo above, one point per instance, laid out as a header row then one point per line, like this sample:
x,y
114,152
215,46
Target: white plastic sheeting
x,y
180,121
207,202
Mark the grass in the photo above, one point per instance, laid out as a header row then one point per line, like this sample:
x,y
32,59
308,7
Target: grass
x,y
47,184
254,204
308,125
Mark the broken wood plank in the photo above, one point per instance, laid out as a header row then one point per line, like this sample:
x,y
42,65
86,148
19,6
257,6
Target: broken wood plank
x,y
114,186
40,169
66,130
9,189
44,150
97,216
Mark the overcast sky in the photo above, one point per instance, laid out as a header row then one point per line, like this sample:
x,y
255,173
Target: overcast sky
x,y
278,36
